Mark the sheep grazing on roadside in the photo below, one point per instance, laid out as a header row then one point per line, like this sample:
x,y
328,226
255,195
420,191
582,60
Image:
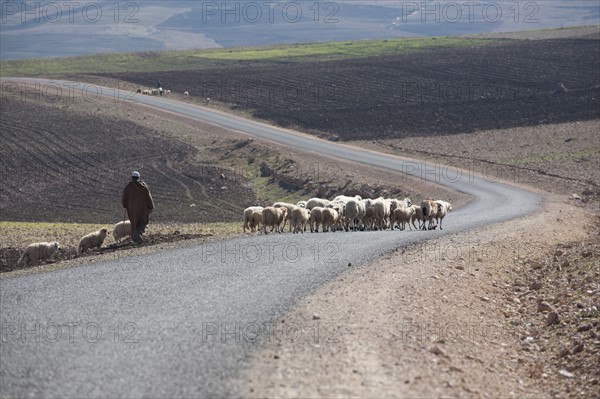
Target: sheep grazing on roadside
x,y
401,216
329,218
273,217
92,240
39,251
247,213
121,230
315,218
300,217
186,93
290,208
444,207
255,220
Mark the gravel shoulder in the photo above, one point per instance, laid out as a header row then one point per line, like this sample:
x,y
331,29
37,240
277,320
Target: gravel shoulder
x,y
455,317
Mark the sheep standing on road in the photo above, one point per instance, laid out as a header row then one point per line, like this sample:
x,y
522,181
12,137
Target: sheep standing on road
x,y
401,216
429,209
300,217
417,215
39,251
290,208
92,240
315,218
121,230
247,213
314,202
255,220
444,208
329,218
273,217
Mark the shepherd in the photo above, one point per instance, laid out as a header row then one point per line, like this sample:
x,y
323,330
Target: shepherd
x,y
136,198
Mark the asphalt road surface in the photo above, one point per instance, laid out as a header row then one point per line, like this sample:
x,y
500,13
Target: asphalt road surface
x,y
182,323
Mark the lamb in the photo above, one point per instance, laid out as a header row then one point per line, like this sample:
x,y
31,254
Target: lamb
x,y
402,216
329,218
39,251
315,218
444,208
288,216
300,217
247,213
340,208
429,209
121,230
92,240
273,217
314,202
255,220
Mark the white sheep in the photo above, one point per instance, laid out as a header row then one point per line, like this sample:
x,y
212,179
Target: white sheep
x,y
381,213
290,208
329,218
247,213
314,202
121,230
168,92
300,217
273,217
39,251
315,218
429,209
155,92
146,92
354,212
416,215
402,216
186,93
444,207
92,240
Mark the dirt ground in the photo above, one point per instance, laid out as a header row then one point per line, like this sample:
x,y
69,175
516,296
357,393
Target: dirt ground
x,y
456,317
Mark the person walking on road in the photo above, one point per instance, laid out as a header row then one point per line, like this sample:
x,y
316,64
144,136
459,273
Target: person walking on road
x,y
138,201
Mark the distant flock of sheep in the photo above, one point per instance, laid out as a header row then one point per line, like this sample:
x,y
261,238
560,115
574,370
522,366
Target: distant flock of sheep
x,y
158,92
346,213
40,251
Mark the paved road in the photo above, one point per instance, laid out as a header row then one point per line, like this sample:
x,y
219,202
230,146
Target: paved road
x,y
183,322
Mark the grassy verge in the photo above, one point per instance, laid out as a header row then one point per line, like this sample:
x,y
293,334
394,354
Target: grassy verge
x,y
214,58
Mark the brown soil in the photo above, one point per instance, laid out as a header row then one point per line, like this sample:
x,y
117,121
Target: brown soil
x,y
427,93
456,317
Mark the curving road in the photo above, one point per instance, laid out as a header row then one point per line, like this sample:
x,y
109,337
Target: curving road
x,y
184,322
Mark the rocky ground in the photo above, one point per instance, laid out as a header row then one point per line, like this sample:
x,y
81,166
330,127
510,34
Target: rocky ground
x,y
507,311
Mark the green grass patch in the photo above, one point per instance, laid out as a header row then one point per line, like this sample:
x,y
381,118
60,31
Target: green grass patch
x,y
558,156
214,58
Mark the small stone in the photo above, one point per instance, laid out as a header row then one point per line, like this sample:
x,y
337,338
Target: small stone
x,y
349,264
316,317
544,306
558,252
552,318
584,327
536,265
579,305
276,357
587,254
567,374
484,298
564,352
576,197
437,351
578,348
479,260
459,267
566,263
536,285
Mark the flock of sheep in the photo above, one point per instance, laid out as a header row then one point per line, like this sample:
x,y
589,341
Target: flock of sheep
x,y
342,213
158,92
346,213
40,251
